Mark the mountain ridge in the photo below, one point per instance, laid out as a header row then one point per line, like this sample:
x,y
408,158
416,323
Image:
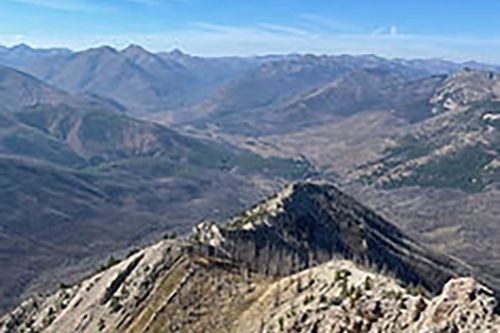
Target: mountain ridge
x,y
315,222
173,285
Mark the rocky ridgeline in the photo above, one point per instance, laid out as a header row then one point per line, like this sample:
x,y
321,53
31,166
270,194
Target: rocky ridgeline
x,y
309,259
102,302
310,223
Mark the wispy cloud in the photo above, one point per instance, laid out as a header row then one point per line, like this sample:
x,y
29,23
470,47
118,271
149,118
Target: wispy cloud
x,y
385,31
85,5
323,23
209,39
67,5
285,30
389,41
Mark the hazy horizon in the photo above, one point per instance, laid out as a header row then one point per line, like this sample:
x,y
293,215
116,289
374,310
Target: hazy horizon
x,y
180,49
208,28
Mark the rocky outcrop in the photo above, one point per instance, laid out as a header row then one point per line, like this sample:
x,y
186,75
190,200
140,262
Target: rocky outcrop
x,y
361,301
120,279
464,306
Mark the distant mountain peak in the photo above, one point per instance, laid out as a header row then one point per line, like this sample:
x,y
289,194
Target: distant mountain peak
x,y
22,47
177,53
102,49
134,49
21,50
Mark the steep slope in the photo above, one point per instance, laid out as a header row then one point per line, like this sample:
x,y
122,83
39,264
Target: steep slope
x,y
310,223
342,297
17,139
176,83
437,176
288,95
137,179
457,148
358,91
18,90
206,284
75,172
57,223
107,72
466,87
99,140
110,73
140,80
211,73
272,83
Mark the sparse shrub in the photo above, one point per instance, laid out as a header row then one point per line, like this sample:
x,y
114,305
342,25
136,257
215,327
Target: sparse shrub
x,y
299,285
355,294
170,235
101,325
281,323
195,238
63,285
132,252
308,299
277,296
344,288
110,263
342,274
419,290
115,304
352,291
51,316
336,301
392,294
368,284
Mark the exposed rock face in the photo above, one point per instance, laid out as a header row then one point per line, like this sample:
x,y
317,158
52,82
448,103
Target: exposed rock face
x,y
464,306
465,88
311,223
104,302
374,303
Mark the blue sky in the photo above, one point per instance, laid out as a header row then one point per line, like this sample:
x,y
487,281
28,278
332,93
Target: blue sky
x,y
460,30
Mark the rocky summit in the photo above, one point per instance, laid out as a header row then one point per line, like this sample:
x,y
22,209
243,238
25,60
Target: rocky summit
x,y
308,259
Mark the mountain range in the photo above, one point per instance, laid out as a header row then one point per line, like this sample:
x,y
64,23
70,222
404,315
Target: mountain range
x,y
171,82
105,150
134,77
